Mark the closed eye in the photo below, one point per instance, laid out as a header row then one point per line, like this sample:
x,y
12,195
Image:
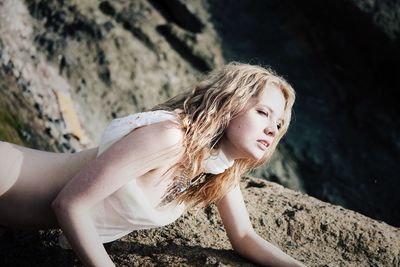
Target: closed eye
x,y
262,112
279,126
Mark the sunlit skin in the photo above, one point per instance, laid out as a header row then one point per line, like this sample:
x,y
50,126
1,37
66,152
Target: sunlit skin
x,y
255,122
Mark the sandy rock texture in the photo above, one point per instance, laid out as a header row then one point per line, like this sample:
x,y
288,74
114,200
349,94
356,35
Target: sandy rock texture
x,y
312,231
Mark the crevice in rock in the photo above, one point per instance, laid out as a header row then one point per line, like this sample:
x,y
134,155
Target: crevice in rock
x,y
67,21
182,48
107,8
256,184
177,12
128,24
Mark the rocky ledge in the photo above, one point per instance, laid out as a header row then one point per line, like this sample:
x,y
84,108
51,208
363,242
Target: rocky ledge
x,y
312,231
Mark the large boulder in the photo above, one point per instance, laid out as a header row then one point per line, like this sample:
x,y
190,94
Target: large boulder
x,y
312,231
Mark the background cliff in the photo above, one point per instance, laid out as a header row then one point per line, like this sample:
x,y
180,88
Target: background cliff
x,y
91,61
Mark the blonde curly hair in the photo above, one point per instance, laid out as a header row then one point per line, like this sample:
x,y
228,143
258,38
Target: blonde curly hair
x,y
207,108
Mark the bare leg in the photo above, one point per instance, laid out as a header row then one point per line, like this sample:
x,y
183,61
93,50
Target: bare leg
x,y
10,166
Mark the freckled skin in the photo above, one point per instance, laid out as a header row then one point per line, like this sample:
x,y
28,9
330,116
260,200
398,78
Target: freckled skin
x,y
240,138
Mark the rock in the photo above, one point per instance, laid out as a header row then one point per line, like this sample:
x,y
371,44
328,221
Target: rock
x,y
70,117
310,230
34,81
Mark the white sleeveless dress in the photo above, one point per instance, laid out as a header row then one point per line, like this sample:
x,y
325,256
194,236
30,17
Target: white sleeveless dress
x,y
127,209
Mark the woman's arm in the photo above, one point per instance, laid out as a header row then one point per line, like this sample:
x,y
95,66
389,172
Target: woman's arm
x,y
129,158
78,227
242,236
264,253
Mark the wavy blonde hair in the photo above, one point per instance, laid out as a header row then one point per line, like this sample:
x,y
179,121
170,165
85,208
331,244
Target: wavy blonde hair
x,y
207,108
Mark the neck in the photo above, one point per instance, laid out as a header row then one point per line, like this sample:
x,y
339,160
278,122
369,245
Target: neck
x,y
217,162
226,148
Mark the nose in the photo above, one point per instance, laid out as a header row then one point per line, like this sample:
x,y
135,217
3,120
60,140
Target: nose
x,y
271,130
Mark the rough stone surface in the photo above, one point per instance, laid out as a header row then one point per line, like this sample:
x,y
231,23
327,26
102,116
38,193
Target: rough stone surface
x,y
312,231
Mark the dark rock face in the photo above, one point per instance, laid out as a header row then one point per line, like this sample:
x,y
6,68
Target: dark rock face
x,y
121,57
340,57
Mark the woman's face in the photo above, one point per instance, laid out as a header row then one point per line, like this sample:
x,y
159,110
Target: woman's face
x,y
258,121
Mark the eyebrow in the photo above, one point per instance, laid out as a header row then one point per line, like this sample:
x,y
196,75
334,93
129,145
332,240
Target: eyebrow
x,y
270,109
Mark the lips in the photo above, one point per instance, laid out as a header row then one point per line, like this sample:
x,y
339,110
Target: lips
x,y
264,143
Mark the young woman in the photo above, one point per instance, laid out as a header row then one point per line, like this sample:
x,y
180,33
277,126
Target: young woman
x,y
152,166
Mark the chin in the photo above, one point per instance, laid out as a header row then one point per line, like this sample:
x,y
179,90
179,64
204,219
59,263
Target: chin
x,y
259,155
255,156
259,158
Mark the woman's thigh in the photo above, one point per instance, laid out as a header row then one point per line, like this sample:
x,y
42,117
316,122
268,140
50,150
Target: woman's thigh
x,y
27,185
10,166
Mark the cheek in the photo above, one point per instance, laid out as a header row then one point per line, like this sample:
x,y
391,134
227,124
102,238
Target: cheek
x,y
247,123
239,131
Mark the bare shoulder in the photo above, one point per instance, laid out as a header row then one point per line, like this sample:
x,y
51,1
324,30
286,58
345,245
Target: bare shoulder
x,y
161,142
158,142
163,134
